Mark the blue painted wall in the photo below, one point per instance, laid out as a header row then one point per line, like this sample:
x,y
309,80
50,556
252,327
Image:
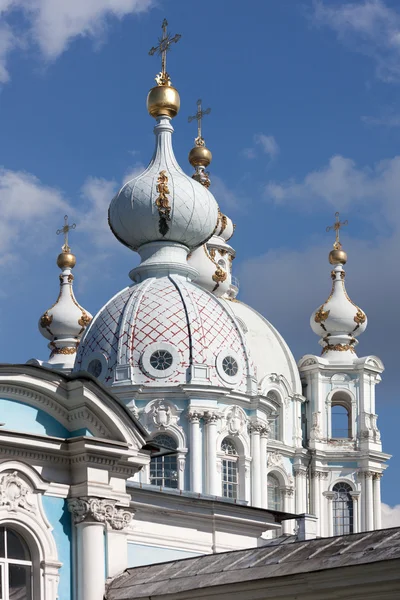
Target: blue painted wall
x,y
56,510
138,555
20,416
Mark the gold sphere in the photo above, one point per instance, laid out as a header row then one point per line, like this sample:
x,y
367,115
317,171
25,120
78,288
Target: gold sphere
x,y
66,260
163,100
200,156
337,257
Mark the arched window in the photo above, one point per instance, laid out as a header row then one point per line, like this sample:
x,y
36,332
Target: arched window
x,y
274,493
274,420
342,509
15,566
230,481
164,469
340,420
274,423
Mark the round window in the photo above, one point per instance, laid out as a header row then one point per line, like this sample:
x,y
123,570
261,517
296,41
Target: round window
x,y
94,367
161,360
230,366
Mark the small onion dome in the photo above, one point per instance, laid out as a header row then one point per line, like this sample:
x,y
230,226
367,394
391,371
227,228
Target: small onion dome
x,y
338,320
163,204
65,321
225,227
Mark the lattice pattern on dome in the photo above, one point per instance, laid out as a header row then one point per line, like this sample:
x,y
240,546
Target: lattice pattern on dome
x,y
153,311
104,333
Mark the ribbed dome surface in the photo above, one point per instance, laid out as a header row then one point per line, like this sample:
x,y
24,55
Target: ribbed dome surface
x,y
173,315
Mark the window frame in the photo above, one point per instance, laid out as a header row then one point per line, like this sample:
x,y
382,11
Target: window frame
x,y
230,463
341,529
155,460
6,562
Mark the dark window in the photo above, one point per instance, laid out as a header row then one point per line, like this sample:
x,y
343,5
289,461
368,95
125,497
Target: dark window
x,y
15,566
340,421
164,469
94,367
342,509
230,366
161,360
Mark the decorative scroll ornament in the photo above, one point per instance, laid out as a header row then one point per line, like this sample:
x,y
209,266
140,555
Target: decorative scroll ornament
x,y
161,414
275,459
236,420
84,320
220,275
321,315
103,511
64,350
15,493
315,432
162,203
360,317
46,320
338,348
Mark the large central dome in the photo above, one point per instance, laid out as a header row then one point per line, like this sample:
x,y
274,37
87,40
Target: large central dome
x,y
166,331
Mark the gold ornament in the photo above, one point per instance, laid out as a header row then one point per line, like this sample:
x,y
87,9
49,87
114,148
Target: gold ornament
x,y
321,315
162,203
46,320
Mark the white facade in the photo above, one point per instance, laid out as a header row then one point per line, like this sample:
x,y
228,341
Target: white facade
x,y
176,422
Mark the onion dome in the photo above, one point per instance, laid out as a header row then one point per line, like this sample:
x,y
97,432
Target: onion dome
x,y
200,156
65,321
338,320
163,204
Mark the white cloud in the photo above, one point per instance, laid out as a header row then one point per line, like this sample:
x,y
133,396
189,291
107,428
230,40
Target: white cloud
x,y
268,144
97,194
369,27
132,172
51,25
390,516
223,194
341,184
387,120
29,210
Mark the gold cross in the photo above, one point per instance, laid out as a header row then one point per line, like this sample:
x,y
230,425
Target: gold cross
x,y
336,227
199,116
163,47
65,231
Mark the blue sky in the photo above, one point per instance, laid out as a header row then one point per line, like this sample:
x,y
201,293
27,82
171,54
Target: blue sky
x,y
305,121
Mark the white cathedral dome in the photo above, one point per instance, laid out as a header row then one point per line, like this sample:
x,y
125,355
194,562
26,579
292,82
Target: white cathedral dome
x,y
268,349
166,331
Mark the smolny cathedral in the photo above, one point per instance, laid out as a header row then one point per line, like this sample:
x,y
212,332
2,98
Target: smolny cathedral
x,y
176,421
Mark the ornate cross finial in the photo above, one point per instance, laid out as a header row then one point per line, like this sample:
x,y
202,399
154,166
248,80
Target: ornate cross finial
x,y
65,230
164,43
199,141
336,227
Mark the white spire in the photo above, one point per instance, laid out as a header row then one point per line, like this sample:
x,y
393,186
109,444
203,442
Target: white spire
x,y
65,321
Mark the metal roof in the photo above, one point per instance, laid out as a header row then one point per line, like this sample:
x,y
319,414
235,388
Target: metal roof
x,y
270,561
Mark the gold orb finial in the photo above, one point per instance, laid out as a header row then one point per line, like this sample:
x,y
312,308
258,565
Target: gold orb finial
x,y
164,98
66,260
337,256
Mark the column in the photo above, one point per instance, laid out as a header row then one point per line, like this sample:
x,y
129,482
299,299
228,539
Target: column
x,y
263,465
287,496
315,479
329,498
255,431
377,501
369,501
356,511
196,459
212,477
301,490
91,517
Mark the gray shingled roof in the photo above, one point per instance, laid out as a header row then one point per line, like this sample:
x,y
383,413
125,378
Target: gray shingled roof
x,y
256,563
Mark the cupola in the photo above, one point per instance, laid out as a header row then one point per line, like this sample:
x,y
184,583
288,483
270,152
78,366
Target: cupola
x,y
338,320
